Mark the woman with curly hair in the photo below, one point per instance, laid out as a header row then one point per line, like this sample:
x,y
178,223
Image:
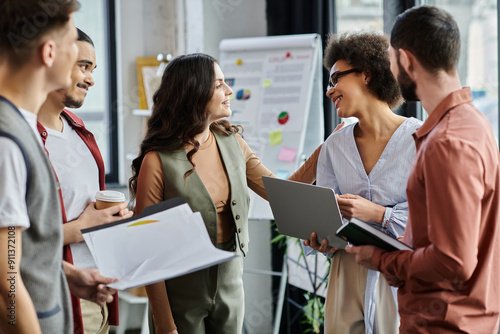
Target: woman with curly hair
x,y
189,151
367,164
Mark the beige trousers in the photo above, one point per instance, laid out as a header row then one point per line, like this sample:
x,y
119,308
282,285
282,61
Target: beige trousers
x,y
344,309
95,318
386,310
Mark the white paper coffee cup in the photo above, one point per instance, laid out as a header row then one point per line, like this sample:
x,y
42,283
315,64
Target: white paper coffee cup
x,y
108,198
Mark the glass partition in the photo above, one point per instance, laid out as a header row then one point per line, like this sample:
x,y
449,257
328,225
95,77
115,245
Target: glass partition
x,y
91,19
355,15
478,66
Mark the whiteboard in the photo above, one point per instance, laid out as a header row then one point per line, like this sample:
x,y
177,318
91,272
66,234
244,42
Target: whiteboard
x,y
277,98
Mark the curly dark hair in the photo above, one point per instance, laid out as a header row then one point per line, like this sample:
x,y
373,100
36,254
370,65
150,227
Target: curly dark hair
x,y
180,110
368,52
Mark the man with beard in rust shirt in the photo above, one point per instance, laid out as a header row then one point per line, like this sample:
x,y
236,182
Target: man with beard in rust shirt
x,y
450,283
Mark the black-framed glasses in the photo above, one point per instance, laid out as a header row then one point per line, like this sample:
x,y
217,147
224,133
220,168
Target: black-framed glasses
x,y
334,79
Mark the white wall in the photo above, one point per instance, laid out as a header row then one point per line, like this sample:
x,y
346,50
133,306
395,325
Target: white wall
x,y
202,24
146,28
231,19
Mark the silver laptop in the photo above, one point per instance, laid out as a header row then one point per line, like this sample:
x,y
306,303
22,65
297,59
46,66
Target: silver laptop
x,y
300,209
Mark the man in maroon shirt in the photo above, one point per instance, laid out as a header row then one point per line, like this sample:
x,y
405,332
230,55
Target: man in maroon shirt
x,y
451,281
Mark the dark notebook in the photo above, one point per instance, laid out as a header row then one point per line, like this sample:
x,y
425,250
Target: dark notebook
x,y
360,233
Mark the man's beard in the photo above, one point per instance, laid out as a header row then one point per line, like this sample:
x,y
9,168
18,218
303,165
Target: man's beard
x,y
72,103
407,85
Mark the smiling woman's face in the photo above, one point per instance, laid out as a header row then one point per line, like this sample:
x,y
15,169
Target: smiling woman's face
x,y
348,91
219,105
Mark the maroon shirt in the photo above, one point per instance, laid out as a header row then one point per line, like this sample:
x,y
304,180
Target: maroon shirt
x,y
88,138
452,279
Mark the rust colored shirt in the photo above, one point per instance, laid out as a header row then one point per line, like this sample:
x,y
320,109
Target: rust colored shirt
x,y
451,281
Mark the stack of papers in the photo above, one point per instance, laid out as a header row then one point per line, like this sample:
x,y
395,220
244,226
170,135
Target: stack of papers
x,y
166,241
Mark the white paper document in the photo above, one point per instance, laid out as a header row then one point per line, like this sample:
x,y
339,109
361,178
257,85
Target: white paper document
x,y
153,247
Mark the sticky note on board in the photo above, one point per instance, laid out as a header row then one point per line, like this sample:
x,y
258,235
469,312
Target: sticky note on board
x,y
282,174
275,137
287,154
266,83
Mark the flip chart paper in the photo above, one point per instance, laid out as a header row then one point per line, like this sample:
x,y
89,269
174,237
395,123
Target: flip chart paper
x,y
282,174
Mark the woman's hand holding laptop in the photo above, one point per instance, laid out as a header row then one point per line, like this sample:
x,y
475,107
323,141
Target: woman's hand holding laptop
x,y
356,206
323,247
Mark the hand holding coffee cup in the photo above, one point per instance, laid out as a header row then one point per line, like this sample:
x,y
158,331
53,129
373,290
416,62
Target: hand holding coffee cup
x,y
109,207
108,198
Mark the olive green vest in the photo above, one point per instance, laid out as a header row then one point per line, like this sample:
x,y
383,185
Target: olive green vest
x,y
175,165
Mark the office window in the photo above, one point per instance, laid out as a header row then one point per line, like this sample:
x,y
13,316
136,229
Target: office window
x,y
478,66
93,19
359,15
356,15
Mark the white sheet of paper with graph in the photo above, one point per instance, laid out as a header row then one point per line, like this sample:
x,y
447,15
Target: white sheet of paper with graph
x,y
154,246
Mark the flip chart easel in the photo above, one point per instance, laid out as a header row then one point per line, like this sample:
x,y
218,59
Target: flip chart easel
x,y
277,85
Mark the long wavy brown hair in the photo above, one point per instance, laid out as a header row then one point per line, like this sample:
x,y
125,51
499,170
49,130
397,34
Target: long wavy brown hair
x,y
180,111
